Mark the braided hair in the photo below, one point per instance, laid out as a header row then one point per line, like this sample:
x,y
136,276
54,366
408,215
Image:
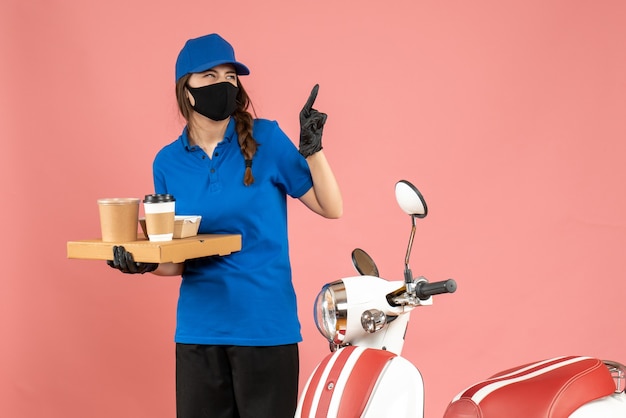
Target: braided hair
x,y
243,122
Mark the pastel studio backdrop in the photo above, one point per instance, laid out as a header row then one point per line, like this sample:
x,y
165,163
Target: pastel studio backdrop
x,y
508,116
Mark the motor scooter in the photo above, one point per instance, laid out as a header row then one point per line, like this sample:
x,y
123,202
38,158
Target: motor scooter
x,y
365,318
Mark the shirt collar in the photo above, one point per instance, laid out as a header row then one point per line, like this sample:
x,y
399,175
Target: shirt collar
x,y
229,135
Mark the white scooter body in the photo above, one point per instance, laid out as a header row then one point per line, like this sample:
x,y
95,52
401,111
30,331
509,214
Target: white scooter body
x,y
365,319
612,406
368,377
363,382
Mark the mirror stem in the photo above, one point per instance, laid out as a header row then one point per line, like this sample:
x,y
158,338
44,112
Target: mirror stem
x,y
408,280
408,275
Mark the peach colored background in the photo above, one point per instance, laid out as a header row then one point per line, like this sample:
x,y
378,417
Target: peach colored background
x,y
509,117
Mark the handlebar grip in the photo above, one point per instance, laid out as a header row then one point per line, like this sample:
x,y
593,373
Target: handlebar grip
x,y
424,290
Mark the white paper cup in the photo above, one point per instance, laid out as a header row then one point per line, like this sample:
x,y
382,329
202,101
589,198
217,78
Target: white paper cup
x,y
159,211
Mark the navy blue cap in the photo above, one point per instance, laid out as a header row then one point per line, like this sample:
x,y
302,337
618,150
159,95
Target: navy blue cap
x,y
203,53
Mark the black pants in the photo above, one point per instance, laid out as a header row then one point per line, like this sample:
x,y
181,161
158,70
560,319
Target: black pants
x,y
236,382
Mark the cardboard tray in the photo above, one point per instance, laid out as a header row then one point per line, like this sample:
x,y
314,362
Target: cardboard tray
x,y
174,251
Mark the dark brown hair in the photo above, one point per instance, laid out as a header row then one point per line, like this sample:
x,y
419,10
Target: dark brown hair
x,y
243,122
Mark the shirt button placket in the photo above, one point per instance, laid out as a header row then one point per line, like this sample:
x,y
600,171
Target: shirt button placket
x,y
213,176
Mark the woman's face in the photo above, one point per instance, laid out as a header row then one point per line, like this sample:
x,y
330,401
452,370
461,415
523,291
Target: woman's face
x,y
217,74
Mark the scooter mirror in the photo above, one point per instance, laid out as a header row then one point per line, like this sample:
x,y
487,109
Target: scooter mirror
x,y
410,199
363,263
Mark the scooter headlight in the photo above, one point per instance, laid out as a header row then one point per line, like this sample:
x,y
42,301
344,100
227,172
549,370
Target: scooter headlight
x,y
331,312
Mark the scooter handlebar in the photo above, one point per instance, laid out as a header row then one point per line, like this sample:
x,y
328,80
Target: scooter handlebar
x,y
424,290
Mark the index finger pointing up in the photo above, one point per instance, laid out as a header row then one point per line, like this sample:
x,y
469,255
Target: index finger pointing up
x,y
309,103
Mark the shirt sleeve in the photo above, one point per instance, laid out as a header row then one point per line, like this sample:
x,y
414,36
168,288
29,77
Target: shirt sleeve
x,y
292,171
158,176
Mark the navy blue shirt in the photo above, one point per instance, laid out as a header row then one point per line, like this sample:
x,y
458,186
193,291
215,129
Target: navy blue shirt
x,y
245,298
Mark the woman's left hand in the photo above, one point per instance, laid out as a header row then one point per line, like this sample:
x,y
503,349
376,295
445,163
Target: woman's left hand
x,y
125,262
311,126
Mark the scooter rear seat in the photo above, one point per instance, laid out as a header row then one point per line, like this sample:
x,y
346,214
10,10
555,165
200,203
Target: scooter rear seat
x,y
552,388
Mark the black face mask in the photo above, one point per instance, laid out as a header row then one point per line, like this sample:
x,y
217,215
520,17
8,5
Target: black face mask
x,y
216,101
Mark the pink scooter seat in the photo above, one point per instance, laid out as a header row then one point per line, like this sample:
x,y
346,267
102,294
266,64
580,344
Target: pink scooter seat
x,y
552,388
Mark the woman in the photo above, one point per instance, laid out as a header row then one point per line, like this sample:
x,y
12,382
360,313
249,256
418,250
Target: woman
x,y
237,328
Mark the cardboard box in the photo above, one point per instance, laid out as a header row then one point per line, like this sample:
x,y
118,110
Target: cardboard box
x,y
174,251
184,226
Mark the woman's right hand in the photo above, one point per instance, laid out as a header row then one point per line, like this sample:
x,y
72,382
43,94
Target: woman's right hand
x,y
124,262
